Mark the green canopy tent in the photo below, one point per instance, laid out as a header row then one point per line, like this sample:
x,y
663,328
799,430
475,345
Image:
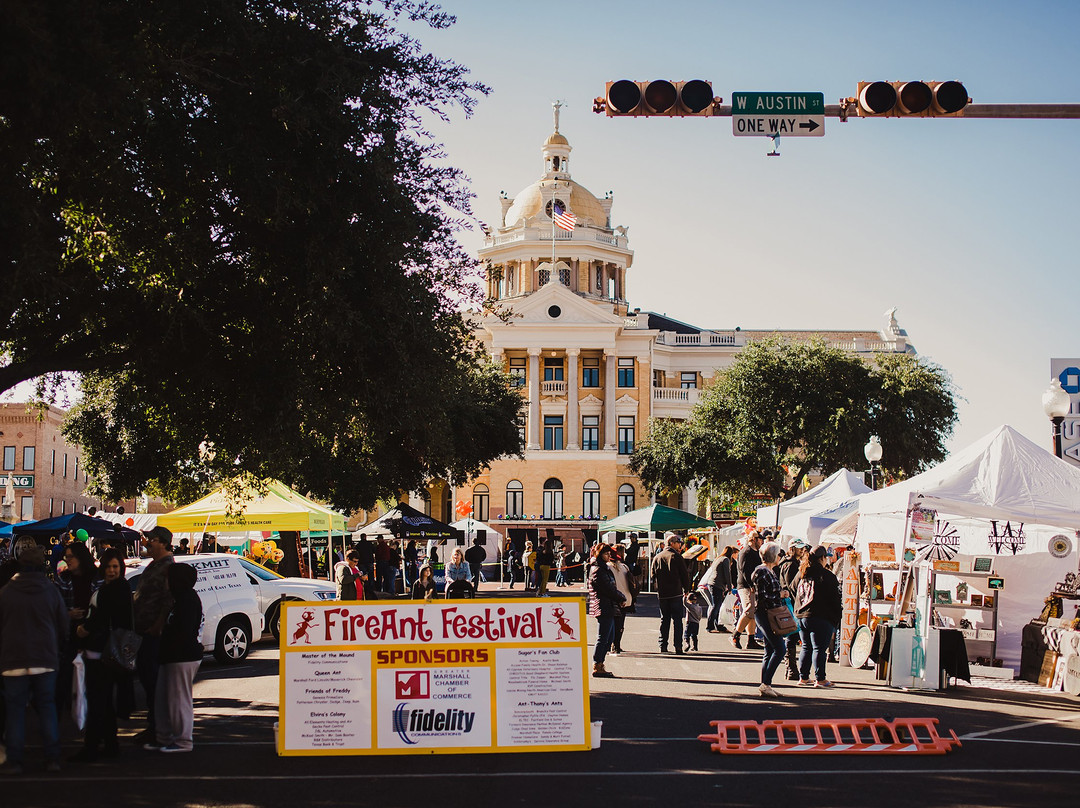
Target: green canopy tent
x,y
654,518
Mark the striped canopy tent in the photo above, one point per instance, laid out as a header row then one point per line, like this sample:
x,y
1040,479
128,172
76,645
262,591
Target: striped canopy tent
x,y
280,508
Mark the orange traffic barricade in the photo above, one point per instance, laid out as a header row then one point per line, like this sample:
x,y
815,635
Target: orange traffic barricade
x,y
827,736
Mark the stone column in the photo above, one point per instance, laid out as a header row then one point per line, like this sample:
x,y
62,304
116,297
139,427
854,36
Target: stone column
x,y
573,422
611,364
534,398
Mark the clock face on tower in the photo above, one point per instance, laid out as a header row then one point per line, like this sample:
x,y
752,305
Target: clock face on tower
x,y
562,204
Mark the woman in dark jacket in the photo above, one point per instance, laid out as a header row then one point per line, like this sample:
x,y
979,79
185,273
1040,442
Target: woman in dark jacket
x,y
77,583
719,582
423,587
110,607
769,595
604,600
819,610
179,655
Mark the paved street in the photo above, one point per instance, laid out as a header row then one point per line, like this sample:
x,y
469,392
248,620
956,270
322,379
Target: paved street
x,y
1020,747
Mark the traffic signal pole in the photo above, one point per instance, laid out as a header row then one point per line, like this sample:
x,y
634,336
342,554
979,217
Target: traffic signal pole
x,y
802,114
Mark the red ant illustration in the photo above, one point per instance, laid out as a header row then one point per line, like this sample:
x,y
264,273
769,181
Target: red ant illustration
x,y
306,622
563,623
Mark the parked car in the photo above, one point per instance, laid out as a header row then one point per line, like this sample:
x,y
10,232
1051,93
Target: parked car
x,y
271,589
232,618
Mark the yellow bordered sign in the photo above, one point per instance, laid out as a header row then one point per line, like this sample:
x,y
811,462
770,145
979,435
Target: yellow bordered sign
x,y
405,677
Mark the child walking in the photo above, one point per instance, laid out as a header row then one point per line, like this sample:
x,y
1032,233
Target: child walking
x,y
694,611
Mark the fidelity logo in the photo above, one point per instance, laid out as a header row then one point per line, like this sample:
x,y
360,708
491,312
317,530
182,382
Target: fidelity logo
x,y
430,722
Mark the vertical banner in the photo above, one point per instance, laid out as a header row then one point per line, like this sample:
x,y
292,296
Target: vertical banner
x,y
849,582
400,677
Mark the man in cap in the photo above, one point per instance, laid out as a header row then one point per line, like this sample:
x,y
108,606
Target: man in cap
x,y
152,603
33,624
748,561
672,581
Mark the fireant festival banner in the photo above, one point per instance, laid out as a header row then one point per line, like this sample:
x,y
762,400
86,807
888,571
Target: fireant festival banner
x,y
400,677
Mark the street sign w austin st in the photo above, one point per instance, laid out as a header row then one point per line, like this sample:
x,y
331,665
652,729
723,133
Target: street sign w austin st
x,y
771,114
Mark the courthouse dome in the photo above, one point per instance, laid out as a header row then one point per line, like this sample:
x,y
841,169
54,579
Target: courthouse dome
x,y
530,202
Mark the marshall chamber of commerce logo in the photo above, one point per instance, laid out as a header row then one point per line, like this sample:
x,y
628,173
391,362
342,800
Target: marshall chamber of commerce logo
x,y
412,685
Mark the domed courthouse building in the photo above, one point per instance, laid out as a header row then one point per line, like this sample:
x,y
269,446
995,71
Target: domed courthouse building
x,y
592,372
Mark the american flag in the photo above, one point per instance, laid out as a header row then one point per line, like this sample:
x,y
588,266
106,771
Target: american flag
x,y
563,218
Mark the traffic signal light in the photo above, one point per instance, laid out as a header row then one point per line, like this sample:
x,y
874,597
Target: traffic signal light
x,y
657,98
904,99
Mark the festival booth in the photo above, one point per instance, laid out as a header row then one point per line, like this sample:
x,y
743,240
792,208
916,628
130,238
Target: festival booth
x,y
404,523
805,516
237,520
970,547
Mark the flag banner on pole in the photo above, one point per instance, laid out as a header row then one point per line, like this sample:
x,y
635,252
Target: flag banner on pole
x,y
563,218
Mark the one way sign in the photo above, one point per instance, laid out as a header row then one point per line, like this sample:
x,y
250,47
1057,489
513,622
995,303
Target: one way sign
x,y
778,114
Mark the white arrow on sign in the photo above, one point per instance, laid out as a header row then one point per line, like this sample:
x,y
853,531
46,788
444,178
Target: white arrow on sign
x,y
774,125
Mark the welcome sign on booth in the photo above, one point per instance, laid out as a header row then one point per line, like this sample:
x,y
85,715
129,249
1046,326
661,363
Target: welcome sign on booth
x,y
394,677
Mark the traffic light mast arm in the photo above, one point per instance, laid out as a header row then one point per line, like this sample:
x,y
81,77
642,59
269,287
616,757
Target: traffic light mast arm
x,y
847,110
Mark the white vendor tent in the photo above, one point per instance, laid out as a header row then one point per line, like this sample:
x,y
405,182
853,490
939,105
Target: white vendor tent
x,y
840,487
841,531
492,542
1003,497
810,526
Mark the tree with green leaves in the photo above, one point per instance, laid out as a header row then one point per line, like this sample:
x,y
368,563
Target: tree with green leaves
x,y
228,219
783,409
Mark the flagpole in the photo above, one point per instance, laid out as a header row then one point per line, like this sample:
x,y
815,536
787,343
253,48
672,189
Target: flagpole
x,y
554,189
554,186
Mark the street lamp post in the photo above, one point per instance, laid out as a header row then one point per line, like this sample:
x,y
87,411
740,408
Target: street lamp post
x,y
872,450
1056,403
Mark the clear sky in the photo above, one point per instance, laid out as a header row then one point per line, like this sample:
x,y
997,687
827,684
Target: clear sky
x,y
968,227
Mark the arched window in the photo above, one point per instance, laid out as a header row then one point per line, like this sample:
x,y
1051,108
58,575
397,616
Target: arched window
x,y
553,499
515,500
545,276
590,500
564,277
626,498
481,499
448,505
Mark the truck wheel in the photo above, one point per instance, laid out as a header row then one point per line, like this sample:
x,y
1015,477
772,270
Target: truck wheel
x,y
233,640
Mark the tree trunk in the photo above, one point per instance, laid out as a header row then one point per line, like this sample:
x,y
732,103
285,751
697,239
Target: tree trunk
x,y
292,564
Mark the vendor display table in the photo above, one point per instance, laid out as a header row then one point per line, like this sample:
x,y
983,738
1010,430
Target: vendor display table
x,y
1039,639
944,652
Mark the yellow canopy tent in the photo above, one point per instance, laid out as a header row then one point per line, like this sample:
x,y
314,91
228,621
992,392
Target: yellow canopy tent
x,y
280,509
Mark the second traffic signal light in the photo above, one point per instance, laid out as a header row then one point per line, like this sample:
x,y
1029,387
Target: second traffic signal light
x,y
901,99
658,98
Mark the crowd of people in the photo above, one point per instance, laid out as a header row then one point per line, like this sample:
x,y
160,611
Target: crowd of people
x,y
63,602
69,629
768,582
